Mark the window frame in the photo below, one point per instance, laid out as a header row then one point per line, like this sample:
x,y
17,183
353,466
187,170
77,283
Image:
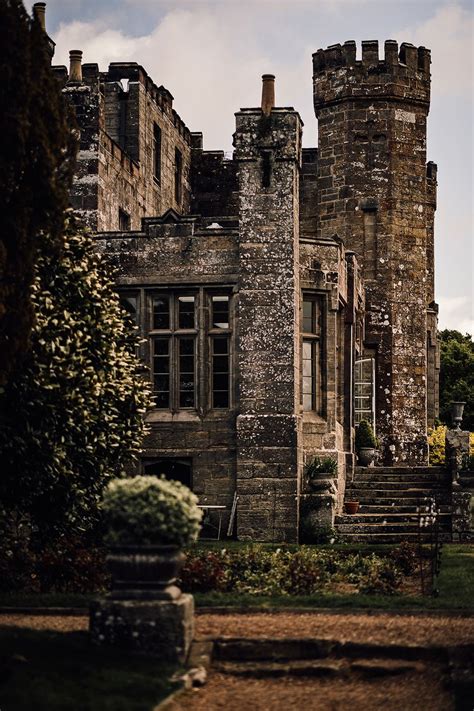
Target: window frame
x,y
313,337
203,334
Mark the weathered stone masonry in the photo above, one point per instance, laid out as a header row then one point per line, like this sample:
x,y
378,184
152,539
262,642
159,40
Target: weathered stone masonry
x,y
324,257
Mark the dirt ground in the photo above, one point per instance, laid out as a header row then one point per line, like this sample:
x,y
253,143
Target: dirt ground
x,y
414,692
386,628
420,691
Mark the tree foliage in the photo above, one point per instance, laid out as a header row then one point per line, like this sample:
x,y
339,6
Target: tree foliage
x,y
75,411
456,380
37,149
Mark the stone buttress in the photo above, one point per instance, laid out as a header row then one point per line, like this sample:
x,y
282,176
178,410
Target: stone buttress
x,y
268,150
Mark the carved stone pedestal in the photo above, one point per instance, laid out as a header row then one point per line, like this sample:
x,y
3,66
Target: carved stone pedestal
x,y
159,628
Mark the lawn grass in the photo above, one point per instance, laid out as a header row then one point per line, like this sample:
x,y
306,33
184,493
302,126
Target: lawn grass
x,y
61,671
455,583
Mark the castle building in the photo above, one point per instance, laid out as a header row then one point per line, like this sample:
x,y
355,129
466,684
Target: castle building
x,y
282,294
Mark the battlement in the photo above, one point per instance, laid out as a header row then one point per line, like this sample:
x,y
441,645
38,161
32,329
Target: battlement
x,y
402,74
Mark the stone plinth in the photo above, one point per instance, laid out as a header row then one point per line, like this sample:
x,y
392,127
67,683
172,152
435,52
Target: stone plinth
x,y
156,628
462,513
457,450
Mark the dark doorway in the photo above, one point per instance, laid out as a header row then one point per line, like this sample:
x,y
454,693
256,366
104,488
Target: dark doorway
x,y
176,469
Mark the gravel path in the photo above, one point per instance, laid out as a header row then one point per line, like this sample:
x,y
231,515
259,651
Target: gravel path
x,y
400,629
413,629
413,692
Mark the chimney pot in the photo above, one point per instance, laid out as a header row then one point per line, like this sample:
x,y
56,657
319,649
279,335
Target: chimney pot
x,y
268,93
75,66
39,13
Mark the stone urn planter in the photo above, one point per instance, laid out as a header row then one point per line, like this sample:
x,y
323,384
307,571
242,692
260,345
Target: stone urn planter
x,y
145,572
366,456
365,443
148,521
320,473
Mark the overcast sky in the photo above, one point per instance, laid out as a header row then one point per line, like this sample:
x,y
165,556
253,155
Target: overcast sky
x,y
211,53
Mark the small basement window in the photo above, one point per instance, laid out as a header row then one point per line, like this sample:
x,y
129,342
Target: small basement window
x,y
124,221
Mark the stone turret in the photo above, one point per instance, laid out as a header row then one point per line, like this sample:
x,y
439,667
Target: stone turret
x,y
373,191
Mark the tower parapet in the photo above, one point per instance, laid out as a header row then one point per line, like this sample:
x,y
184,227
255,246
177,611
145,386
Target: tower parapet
x,y
401,75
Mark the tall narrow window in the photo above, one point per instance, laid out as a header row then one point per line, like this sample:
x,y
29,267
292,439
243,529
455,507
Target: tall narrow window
x,y
364,390
220,335
311,352
173,338
178,175
157,153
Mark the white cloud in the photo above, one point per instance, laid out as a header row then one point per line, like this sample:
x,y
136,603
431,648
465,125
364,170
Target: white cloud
x,y
455,312
449,34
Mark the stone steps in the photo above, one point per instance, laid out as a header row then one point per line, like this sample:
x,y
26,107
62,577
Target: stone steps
x,y
392,537
400,508
395,485
385,518
389,498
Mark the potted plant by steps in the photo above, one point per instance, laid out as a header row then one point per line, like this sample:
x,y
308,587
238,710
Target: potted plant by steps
x,y
147,521
320,473
351,507
365,443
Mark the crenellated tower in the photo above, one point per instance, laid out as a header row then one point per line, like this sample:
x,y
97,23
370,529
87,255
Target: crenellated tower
x,y
376,192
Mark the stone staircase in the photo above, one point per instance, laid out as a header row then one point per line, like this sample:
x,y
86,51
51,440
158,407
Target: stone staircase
x,y
389,498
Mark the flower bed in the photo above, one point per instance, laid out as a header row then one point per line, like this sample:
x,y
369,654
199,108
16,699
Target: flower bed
x,y
256,570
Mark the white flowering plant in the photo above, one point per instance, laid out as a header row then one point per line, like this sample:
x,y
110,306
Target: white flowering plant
x,y
147,510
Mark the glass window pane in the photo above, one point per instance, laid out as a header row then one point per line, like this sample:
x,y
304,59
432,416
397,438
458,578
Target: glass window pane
x,y
186,312
186,372
220,381
186,346
161,312
307,316
307,402
221,364
220,399
220,312
161,346
220,345
130,305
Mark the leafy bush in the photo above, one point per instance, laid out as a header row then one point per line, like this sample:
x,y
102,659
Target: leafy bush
x,y
71,565
364,436
74,412
205,571
256,570
320,465
383,578
405,557
437,443
147,510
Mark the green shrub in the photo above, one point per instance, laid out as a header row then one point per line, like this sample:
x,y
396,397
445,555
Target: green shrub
x,y
320,465
147,510
436,443
364,436
383,578
205,571
405,557
255,570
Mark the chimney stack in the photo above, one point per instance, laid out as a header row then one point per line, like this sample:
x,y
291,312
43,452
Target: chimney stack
x,y
39,13
268,93
75,67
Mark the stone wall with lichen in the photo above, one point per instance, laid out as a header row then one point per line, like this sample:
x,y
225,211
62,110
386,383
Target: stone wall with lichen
x,y
168,254
268,151
373,193
116,112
